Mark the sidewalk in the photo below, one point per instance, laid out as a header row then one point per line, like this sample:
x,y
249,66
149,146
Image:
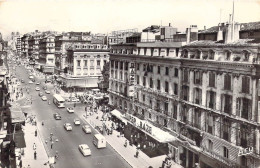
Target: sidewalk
x,y
117,143
30,139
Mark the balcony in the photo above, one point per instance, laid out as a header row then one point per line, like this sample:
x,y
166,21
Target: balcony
x,y
194,124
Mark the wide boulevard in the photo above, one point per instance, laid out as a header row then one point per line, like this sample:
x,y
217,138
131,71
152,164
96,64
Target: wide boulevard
x,y
68,141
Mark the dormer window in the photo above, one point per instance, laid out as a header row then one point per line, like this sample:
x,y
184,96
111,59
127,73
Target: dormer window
x,y
185,54
197,55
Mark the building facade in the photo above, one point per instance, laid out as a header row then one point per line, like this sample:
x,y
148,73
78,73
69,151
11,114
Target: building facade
x,y
204,93
46,53
85,63
63,42
25,45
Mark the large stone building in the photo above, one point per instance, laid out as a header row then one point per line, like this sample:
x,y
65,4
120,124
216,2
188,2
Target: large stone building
x,y
63,42
204,94
85,63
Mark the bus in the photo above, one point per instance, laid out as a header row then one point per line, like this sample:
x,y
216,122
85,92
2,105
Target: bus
x,y
58,100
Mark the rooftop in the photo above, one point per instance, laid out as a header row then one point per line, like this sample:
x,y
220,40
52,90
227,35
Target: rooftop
x,y
240,42
244,27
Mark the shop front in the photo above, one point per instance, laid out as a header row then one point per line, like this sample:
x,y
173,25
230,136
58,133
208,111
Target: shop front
x,y
150,139
119,120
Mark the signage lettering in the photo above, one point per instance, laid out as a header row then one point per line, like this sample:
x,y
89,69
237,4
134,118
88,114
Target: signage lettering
x,y
131,79
245,151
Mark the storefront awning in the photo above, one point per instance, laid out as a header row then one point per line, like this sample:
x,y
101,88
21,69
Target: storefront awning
x,y
117,114
17,115
151,130
19,139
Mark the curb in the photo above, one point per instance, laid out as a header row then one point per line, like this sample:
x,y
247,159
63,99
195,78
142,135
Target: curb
x,y
107,141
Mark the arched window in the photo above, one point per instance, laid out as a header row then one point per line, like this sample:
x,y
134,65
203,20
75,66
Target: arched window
x,y
185,54
197,54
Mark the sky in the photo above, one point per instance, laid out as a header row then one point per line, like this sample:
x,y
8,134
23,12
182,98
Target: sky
x,y
104,16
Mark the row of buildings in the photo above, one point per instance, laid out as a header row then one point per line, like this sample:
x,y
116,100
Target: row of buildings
x,y
11,118
193,94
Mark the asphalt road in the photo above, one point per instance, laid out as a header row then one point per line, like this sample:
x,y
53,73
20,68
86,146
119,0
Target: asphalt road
x,y
67,146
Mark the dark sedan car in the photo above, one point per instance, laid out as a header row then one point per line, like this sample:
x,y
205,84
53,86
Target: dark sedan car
x,y
57,116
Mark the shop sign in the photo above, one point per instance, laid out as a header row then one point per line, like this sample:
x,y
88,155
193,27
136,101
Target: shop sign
x,y
245,151
139,123
131,79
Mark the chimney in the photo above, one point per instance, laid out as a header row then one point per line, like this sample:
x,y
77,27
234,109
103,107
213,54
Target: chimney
x,y
188,35
220,34
204,27
169,24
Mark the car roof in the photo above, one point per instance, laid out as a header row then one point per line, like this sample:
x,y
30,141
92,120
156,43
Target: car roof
x,y
84,146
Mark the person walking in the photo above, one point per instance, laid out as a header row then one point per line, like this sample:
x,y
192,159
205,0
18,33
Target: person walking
x,y
21,164
137,153
34,146
52,144
35,133
35,155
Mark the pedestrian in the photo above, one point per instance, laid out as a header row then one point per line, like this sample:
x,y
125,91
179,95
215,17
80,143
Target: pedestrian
x,y
52,144
125,143
21,164
28,166
34,146
35,155
137,153
35,133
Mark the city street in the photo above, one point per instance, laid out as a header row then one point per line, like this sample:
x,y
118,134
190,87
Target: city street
x,y
67,141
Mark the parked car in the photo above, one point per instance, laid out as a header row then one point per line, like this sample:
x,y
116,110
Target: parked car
x,y
86,129
84,149
70,109
37,83
74,99
37,89
76,121
30,82
44,87
57,116
68,126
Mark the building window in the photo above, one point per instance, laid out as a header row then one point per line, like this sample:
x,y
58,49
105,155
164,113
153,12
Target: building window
x,y
175,111
116,64
150,116
78,62
228,56
166,86
98,62
176,72
144,67
185,93
210,124
138,67
144,98
86,63
243,161
211,99
211,55
227,82
244,106
151,82
144,81
244,133
197,77
212,78
159,70
210,145
126,66
225,129
105,62
225,152
186,76
166,70
227,103
198,96
175,86
197,121
121,65
158,84
137,79
245,84
166,105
